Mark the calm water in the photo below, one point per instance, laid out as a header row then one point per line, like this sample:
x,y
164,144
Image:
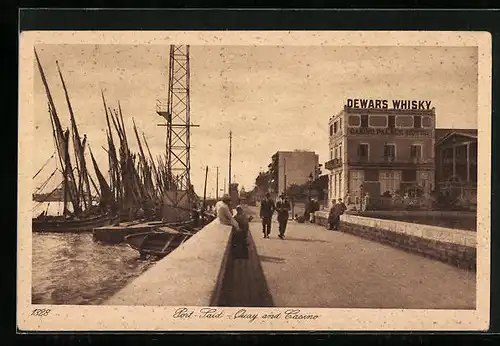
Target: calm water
x,y
72,269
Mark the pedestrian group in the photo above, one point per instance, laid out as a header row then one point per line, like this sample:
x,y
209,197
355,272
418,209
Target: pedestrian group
x,y
267,209
240,221
337,209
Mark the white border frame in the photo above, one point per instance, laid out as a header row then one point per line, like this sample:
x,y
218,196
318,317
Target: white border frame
x,y
140,318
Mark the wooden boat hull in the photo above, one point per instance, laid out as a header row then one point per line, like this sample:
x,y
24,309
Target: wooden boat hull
x,y
60,225
156,243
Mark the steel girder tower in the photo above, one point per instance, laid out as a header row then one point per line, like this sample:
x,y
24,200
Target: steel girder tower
x,y
176,111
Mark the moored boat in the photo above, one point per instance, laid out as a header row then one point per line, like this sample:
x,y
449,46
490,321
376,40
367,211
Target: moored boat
x,y
50,223
157,243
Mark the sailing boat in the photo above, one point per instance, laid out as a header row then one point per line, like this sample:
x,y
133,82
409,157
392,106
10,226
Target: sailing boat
x,y
79,210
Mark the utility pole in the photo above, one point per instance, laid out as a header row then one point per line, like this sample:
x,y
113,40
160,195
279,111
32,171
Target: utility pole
x,y
230,149
217,185
205,190
284,171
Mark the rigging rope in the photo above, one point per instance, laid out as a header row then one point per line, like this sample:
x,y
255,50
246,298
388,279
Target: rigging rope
x,y
46,197
44,165
46,181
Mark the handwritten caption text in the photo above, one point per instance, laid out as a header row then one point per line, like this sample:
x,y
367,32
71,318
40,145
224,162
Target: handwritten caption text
x,y
241,314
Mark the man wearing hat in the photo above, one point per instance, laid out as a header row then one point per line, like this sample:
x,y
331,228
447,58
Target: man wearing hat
x,y
283,207
224,213
337,209
267,209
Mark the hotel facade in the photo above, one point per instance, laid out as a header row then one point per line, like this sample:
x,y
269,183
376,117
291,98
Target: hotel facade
x,y
380,152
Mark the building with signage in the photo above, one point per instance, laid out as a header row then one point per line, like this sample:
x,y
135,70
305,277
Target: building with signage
x,y
381,152
456,163
293,167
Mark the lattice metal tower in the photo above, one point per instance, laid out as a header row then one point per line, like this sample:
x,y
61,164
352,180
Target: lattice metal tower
x,y
176,111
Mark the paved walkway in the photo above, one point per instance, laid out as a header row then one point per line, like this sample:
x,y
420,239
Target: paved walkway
x,y
314,267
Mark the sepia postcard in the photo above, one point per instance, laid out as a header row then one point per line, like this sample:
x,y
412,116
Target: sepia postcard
x,y
254,181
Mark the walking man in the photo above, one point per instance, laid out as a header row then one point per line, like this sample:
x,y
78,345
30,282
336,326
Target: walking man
x,y
267,209
283,207
331,215
307,210
340,208
313,209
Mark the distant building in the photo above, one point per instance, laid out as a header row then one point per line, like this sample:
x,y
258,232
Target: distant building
x,y
456,163
381,152
293,167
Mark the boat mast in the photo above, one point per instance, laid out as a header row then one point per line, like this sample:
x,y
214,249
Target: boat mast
x,y
230,153
62,163
79,149
146,172
62,144
155,171
113,162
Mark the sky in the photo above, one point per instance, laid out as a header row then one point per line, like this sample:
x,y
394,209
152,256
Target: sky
x,y
272,98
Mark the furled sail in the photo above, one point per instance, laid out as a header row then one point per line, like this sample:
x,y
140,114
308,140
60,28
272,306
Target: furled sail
x,y
106,195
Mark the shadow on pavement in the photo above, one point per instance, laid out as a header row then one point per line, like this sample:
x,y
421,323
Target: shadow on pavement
x,y
306,240
244,283
272,259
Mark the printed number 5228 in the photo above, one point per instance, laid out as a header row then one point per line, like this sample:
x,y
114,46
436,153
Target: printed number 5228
x,y
40,312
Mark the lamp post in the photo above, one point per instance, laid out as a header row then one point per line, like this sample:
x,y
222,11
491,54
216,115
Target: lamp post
x,y
309,201
310,184
284,171
361,192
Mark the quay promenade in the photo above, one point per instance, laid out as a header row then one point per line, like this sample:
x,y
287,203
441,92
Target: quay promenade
x,y
312,267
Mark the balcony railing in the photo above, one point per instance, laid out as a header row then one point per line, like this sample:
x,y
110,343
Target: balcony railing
x,y
333,163
389,160
449,161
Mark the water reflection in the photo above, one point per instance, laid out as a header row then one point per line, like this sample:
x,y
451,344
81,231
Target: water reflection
x,y
73,269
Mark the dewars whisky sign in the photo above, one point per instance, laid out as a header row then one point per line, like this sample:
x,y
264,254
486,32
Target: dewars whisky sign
x,y
384,104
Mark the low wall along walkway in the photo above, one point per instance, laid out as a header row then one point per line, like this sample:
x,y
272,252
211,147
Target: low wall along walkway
x,y
191,275
201,272
457,247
